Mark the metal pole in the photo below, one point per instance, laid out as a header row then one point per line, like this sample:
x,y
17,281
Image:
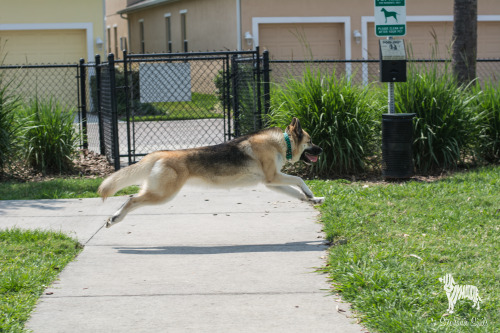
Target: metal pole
x,y
83,103
102,145
390,87
267,93
391,97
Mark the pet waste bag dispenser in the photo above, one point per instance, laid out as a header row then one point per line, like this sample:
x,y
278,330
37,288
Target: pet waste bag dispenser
x,y
397,128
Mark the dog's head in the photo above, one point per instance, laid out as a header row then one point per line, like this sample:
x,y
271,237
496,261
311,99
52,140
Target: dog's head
x,y
303,148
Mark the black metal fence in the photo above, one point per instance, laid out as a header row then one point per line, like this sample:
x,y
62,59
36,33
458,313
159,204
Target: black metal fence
x,y
128,108
177,101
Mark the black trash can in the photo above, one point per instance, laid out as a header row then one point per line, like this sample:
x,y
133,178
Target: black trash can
x,y
397,139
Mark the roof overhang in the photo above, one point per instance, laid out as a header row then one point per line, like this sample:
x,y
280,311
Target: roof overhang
x,y
143,5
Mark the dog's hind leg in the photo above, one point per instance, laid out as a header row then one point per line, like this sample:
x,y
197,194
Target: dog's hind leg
x,y
157,190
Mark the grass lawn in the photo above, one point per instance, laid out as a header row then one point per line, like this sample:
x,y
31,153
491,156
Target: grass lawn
x,y
391,243
71,188
201,106
29,261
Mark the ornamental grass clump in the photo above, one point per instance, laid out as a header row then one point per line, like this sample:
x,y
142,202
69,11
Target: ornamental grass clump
x,y
9,126
50,140
341,118
446,124
488,143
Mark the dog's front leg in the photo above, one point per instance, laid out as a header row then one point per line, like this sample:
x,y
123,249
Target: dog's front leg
x,y
283,179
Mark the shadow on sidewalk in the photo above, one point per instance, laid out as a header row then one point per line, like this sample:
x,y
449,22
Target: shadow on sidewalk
x,y
307,246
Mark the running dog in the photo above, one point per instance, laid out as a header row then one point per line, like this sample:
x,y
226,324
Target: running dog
x,y
247,160
389,14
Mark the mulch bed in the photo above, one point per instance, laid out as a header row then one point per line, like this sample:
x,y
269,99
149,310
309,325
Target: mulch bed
x,y
87,164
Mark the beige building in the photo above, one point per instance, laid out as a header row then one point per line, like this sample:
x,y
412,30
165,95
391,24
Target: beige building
x,y
296,29
51,31
116,28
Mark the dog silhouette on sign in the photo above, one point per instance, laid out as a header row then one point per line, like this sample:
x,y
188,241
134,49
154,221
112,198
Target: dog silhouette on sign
x,y
389,14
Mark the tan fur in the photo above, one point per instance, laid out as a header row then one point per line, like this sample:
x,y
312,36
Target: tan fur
x,y
244,161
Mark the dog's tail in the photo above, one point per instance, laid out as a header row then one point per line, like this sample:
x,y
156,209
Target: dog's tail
x,y
134,174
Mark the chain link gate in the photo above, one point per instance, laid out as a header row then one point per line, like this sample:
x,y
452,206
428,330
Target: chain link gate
x,y
187,100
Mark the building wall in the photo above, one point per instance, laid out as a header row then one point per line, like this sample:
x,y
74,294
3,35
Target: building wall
x,y
299,29
116,37
210,26
36,31
355,14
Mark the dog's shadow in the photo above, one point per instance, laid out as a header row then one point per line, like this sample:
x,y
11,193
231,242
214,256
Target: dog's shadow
x,y
306,246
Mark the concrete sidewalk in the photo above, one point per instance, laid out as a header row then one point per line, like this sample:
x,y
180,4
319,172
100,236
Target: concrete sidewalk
x,y
209,261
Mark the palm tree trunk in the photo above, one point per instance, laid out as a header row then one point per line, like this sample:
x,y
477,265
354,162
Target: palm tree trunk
x,y
464,49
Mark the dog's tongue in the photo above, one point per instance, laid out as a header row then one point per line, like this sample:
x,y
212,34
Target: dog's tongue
x,y
312,158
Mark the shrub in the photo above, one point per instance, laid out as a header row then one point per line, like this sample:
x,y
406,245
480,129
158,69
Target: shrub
x,y
445,124
50,139
489,111
341,118
140,109
9,127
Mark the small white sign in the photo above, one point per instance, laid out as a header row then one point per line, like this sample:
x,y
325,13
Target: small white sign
x,y
392,49
165,82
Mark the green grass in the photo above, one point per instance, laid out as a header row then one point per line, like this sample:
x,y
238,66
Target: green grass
x,y
29,262
201,106
72,188
391,243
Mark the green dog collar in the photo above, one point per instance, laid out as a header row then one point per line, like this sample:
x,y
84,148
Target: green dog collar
x,y
288,146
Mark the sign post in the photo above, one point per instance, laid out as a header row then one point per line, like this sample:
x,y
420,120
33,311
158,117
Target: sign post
x,y
390,21
397,129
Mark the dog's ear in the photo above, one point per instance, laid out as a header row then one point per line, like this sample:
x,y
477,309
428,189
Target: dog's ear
x,y
296,128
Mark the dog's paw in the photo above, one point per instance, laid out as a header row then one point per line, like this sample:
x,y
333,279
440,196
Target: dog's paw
x,y
317,200
111,221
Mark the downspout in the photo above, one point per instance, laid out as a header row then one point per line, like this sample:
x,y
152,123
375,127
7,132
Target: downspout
x,y
238,24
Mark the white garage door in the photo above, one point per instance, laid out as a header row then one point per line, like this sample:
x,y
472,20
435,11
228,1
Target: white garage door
x,y
303,40
43,46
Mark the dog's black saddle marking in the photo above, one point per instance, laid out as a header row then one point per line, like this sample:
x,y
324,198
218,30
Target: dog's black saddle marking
x,y
220,159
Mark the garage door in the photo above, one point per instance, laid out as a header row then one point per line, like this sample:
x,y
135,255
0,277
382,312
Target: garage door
x,y
44,46
301,40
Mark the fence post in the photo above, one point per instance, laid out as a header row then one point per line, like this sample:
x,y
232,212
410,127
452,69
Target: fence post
x,y
114,111
226,93
259,104
234,87
83,103
267,88
98,82
126,88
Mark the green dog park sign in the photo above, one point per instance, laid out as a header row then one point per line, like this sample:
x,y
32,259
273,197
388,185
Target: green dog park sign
x,y
390,18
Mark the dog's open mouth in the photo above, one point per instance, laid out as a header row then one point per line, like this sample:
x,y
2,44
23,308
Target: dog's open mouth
x,y
311,158
311,155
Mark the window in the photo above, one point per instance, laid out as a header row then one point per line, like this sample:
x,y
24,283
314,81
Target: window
x,y
141,36
168,33
123,43
115,35
108,33
183,30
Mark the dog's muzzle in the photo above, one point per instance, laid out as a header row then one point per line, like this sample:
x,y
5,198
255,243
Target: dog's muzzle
x,y
310,155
